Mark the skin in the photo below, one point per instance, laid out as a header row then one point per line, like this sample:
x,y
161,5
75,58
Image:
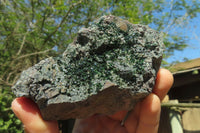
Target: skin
x,y
143,119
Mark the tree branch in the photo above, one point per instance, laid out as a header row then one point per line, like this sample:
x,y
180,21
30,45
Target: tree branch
x,y
62,21
43,20
3,82
22,44
36,53
32,6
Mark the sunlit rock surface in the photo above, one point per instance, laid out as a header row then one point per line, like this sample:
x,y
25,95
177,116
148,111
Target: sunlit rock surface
x,y
110,66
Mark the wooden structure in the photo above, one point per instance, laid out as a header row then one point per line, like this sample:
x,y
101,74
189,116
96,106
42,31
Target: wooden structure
x,y
186,81
184,116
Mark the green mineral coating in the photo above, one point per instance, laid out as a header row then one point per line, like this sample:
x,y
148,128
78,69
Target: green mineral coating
x,y
110,49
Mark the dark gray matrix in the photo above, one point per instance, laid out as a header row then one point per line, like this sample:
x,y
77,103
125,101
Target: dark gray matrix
x,y
110,66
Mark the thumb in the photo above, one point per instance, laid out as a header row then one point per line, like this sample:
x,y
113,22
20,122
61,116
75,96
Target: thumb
x,y
28,112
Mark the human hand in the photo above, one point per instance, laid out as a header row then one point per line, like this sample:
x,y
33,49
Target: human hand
x,y
143,119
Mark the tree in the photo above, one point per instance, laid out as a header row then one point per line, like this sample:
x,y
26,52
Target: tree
x,y
31,30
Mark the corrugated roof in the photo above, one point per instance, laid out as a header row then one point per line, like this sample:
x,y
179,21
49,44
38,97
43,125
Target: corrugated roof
x,y
190,65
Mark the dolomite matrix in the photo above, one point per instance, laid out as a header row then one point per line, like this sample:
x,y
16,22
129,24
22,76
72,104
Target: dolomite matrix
x,y
110,66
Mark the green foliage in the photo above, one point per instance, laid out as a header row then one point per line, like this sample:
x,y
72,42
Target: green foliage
x,y
8,122
30,30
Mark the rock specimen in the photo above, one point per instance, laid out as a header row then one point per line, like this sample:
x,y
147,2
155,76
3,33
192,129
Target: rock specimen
x,y
110,66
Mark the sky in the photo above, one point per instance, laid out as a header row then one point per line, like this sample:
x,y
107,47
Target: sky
x,y
192,30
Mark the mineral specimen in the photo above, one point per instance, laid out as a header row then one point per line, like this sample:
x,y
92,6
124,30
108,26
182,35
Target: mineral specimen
x,y
110,66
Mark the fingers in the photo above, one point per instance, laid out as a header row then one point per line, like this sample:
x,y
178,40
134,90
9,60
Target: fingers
x,y
27,111
118,115
149,115
150,108
132,121
164,82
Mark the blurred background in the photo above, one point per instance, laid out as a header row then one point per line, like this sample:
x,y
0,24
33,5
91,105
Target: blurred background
x,y
31,30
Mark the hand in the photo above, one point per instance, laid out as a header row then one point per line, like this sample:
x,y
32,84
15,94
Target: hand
x,y
143,119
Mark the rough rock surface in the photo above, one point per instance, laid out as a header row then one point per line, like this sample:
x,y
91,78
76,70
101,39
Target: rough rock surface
x,y
110,66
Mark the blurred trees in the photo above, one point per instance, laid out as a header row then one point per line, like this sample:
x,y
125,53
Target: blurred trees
x,y
31,30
